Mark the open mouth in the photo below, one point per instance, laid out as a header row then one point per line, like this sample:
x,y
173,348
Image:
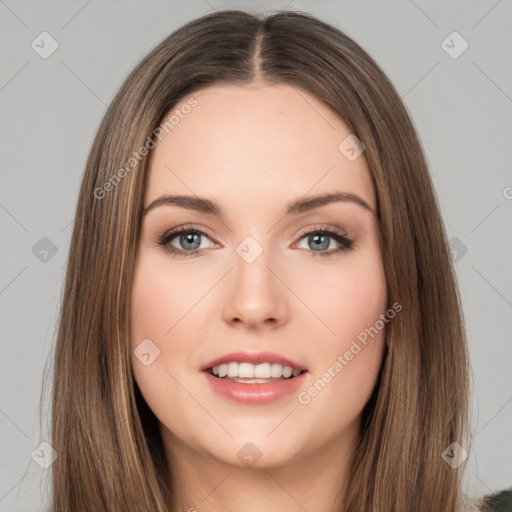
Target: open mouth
x,y
260,383
254,374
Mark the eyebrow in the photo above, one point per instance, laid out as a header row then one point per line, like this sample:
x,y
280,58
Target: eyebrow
x,y
298,206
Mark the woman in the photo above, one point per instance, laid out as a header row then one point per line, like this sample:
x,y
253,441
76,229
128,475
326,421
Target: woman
x,y
204,361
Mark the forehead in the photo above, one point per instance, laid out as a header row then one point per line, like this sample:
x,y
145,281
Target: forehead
x,y
240,144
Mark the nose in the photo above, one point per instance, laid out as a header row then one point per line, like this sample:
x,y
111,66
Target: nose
x,y
256,297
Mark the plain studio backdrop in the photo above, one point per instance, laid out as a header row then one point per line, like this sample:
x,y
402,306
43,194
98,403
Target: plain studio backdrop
x,y
449,61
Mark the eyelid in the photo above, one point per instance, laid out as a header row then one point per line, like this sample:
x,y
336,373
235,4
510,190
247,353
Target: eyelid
x,y
188,228
331,231
204,231
320,227
171,234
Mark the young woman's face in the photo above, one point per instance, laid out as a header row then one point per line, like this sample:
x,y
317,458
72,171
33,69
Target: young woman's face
x,y
254,278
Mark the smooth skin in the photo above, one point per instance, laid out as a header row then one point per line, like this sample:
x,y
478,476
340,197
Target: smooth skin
x,y
254,149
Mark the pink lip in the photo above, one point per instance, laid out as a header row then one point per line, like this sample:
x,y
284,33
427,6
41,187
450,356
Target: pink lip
x,y
256,358
254,393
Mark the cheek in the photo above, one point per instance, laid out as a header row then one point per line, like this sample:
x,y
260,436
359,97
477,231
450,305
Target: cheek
x,y
350,338
161,297
347,297
161,300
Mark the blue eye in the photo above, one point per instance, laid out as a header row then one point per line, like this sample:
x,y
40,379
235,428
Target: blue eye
x,y
319,239
189,239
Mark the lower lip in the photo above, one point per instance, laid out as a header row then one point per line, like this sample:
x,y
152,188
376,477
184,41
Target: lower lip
x,y
255,393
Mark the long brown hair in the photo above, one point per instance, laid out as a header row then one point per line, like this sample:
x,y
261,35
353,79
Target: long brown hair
x,y
110,452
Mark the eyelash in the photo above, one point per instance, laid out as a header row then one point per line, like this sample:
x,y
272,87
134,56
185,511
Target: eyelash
x,y
346,243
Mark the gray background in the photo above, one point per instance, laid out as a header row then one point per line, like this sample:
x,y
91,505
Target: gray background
x,y
51,108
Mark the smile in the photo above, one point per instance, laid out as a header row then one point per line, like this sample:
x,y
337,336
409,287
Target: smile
x,y
254,373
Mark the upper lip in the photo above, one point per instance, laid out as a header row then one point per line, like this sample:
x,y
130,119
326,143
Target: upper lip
x,y
253,358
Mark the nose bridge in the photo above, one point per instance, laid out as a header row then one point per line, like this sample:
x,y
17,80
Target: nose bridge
x,y
252,274
256,295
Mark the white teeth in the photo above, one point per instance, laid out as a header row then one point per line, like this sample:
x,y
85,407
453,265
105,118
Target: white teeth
x,y
276,370
251,371
245,371
262,371
232,370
